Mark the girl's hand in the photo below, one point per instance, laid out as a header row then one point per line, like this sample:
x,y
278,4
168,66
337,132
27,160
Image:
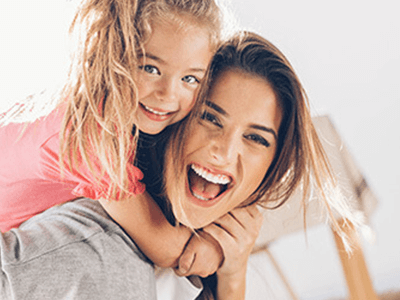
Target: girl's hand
x,y
202,256
236,232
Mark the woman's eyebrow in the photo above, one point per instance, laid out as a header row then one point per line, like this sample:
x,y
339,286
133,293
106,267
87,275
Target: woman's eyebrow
x,y
266,129
220,110
216,108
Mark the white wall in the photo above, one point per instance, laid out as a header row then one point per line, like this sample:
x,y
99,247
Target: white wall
x,y
33,46
347,54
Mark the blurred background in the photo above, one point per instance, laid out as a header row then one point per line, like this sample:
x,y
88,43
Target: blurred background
x,y
346,53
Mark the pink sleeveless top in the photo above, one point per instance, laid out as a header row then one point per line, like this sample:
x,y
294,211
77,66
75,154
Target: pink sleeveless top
x,y
30,178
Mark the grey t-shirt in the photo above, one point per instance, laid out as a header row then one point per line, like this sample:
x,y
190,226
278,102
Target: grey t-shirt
x,y
73,251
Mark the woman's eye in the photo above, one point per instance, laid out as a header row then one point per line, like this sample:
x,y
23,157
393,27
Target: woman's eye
x,y
211,118
149,69
258,139
190,79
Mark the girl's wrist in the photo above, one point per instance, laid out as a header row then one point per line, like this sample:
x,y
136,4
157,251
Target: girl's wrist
x,y
231,286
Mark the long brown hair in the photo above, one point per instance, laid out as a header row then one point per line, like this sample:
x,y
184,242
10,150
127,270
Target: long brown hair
x,y
101,95
300,160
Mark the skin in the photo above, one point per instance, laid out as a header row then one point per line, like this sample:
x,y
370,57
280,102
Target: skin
x,y
175,61
176,58
234,141
236,232
237,140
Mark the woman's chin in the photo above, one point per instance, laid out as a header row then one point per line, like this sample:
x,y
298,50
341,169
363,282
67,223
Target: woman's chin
x,y
191,220
196,212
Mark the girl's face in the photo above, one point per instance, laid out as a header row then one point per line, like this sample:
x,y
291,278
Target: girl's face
x,y
230,150
175,61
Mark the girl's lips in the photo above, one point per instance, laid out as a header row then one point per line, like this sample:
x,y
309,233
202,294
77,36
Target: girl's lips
x,y
157,115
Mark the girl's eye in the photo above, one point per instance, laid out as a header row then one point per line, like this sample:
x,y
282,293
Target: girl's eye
x,y
150,69
209,117
258,139
190,79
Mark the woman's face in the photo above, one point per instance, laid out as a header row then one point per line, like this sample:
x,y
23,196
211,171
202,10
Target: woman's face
x,y
230,149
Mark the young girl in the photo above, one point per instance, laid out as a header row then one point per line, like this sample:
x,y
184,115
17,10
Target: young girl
x,y
140,66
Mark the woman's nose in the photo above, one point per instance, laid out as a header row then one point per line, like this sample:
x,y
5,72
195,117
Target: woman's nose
x,y
167,89
224,148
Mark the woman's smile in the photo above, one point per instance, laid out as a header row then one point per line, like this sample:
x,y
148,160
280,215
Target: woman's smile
x,y
229,150
207,185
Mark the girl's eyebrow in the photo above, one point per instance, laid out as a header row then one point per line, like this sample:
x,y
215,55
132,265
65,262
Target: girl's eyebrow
x,y
151,56
161,61
220,110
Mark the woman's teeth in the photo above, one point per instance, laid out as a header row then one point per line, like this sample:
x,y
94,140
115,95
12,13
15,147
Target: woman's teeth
x,y
200,197
159,113
205,185
216,179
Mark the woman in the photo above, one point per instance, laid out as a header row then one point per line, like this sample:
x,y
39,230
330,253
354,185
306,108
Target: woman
x,y
254,143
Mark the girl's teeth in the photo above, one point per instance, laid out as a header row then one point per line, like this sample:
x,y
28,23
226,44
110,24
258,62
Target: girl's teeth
x,y
217,179
155,112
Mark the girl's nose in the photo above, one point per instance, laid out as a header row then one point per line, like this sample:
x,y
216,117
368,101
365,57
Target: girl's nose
x,y
167,90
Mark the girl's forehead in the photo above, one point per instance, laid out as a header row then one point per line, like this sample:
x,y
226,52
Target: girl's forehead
x,y
184,22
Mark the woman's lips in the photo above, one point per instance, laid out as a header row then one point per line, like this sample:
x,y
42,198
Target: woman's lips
x,y
205,186
157,115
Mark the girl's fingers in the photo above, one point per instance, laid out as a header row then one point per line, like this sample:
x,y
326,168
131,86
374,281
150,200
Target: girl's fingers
x,y
238,229
249,217
185,262
230,224
221,235
236,232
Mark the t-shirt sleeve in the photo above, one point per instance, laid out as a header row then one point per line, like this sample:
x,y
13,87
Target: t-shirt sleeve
x,y
86,185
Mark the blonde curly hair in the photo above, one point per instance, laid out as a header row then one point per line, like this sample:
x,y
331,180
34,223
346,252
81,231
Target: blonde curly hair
x,y
101,95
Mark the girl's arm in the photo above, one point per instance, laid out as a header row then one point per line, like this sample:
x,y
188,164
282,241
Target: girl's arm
x,y
143,220
236,232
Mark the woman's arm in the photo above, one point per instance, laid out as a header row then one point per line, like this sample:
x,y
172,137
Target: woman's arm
x,y
236,232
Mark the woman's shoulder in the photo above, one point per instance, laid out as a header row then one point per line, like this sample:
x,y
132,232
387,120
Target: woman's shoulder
x,y
78,236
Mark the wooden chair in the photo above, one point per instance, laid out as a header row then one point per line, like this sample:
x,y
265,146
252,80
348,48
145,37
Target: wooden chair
x,y
289,217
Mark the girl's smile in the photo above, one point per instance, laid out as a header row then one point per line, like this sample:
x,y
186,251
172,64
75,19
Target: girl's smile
x,y
169,74
156,115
